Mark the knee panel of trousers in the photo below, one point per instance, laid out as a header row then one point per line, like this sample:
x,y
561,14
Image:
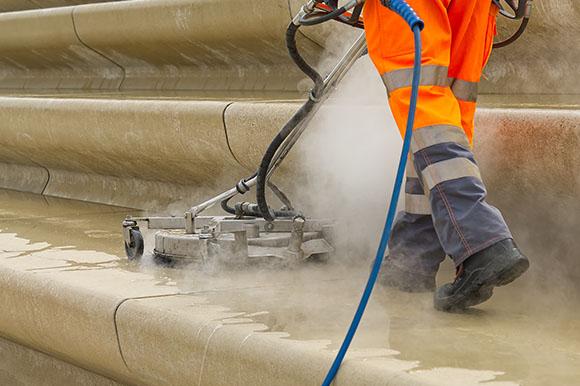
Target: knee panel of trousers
x,y
447,162
441,152
461,194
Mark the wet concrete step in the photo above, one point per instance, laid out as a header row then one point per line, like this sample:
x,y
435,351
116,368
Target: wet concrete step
x,y
67,293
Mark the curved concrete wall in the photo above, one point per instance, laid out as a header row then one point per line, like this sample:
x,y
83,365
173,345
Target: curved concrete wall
x,y
40,50
22,366
194,45
545,59
150,45
120,152
156,98
22,5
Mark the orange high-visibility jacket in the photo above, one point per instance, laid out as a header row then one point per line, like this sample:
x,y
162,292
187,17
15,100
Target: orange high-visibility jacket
x,y
456,40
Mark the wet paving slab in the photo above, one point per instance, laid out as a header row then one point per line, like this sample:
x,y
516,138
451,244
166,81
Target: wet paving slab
x,y
527,334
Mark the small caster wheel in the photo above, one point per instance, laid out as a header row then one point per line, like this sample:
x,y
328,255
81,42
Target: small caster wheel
x,y
134,249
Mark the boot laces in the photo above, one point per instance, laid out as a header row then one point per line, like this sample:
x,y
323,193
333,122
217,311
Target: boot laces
x,y
458,273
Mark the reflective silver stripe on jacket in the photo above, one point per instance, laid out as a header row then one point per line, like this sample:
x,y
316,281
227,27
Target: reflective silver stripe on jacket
x,y
450,169
410,172
431,75
417,204
464,90
436,134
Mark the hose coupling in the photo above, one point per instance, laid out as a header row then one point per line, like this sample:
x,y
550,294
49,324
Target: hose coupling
x,y
242,209
528,11
354,3
305,10
312,97
242,187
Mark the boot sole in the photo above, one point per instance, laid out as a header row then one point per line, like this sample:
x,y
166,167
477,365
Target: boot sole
x,y
500,276
481,289
516,270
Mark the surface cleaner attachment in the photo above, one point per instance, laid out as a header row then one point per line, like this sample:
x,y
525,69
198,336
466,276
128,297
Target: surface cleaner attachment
x,y
254,233
230,241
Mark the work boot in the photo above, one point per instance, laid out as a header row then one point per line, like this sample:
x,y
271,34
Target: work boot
x,y
392,275
497,265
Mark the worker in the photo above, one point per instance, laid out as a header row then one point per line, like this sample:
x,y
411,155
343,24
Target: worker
x,y
445,208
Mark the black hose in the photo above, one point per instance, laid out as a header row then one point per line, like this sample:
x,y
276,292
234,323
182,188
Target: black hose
x,y
355,16
305,20
269,154
289,212
298,117
226,207
515,36
253,210
298,59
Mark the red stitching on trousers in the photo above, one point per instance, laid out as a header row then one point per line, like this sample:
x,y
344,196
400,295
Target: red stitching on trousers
x,y
448,207
453,220
466,255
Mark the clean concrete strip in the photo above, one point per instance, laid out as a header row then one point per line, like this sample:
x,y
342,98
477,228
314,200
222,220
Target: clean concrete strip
x,y
172,141
40,50
16,5
22,5
50,303
97,149
22,366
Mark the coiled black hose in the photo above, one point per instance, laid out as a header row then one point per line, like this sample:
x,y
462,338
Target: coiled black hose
x,y
299,60
262,173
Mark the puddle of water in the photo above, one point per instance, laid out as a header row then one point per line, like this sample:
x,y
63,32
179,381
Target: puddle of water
x,y
64,223
13,246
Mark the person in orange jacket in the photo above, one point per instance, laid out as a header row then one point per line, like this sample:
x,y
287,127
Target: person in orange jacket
x,y
445,208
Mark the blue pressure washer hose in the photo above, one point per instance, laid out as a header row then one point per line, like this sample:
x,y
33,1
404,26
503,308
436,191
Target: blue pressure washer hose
x,y
408,14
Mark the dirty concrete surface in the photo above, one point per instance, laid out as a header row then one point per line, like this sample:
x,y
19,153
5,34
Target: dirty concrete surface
x,y
527,334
